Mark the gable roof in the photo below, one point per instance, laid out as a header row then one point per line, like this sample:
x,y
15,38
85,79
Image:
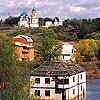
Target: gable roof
x,y
56,69
27,38
24,14
56,19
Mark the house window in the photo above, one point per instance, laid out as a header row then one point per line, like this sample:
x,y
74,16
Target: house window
x,y
37,80
73,79
73,91
81,88
47,92
66,81
24,52
63,56
37,92
66,54
72,50
25,47
24,59
81,76
47,80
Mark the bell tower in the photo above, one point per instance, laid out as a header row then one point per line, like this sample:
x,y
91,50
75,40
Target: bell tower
x,y
34,22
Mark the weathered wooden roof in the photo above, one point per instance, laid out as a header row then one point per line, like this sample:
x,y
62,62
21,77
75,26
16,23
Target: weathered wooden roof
x,y
56,69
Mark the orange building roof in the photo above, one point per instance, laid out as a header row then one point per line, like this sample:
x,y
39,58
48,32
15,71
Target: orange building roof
x,y
23,40
24,46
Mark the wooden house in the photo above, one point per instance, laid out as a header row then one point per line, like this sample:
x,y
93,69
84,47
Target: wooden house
x,y
58,81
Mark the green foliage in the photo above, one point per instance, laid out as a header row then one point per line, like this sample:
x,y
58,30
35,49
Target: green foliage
x,y
20,31
88,48
14,33
49,48
13,75
67,36
7,58
41,22
50,33
86,26
34,98
36,30
77,57
94,35
73,23
98,44
11,20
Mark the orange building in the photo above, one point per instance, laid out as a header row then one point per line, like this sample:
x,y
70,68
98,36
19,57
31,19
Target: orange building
x,y
24,47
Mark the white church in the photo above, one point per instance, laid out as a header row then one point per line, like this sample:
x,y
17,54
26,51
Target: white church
x,y
33,20
27,21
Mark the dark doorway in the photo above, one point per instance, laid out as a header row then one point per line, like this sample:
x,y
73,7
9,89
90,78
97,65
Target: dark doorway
x,y
63,94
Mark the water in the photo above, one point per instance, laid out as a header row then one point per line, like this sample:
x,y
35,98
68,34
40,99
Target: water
x,y
93,90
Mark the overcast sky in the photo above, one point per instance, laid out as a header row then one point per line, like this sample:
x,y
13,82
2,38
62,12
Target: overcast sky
x,y
52,8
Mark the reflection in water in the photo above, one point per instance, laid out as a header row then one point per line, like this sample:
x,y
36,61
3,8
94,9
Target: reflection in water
x,y
80,93
93,90
81,97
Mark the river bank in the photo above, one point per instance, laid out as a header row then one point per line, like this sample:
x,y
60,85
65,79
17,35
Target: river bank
x,y
92,69
93,74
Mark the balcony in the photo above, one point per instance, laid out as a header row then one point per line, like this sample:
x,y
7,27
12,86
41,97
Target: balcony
x,y
63,86
62,83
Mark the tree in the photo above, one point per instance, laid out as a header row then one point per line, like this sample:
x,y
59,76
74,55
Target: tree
x,y
12,20
87,48
47,19
13,75
7,59
94,35
49,49
67,36
41,22
98,44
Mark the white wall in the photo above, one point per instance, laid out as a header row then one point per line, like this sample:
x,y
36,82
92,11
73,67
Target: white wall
x,y
42,87
83,77
34,25
42,82
76,86
67,51
48,24
52,96
23,23
78,92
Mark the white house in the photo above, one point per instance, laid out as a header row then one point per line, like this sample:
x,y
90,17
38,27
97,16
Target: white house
x,y
24,20
67,51
58,81
27,21
55,22
48,24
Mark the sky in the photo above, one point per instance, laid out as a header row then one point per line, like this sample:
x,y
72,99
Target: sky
x,y
51,8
